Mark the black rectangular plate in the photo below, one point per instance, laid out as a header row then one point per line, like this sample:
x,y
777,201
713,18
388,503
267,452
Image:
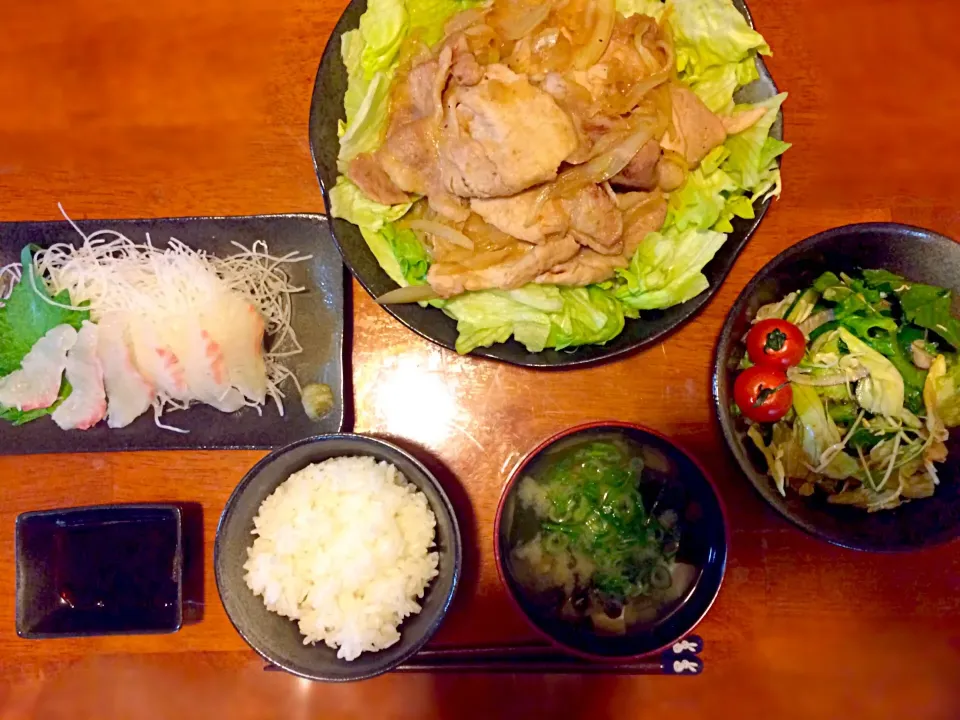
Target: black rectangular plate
x,y
317,319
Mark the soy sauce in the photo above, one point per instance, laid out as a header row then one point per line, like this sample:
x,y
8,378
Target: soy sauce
x,y
113,576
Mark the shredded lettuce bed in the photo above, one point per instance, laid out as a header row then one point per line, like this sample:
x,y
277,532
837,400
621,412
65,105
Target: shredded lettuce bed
x,y
716,55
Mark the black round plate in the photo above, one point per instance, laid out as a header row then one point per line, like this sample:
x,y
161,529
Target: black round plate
x,y
919,255
277,638
432,324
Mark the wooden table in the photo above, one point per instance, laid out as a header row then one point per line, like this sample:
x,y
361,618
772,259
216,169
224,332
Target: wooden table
x,y
127,109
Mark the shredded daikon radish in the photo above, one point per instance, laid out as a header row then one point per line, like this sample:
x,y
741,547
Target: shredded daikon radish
x,y
9,277
110,273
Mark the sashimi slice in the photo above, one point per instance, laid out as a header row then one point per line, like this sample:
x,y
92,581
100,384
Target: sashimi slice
x,y
87,403
203,364
37,383
128,393
237,328
157,361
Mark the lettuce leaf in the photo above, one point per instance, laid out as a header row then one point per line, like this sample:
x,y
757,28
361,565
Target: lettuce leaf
x,y
709,33
383,28
537,316
928,306
653,8
882,391
785,455
411,256
366,97
375,223
399,252
347,201
942,392
716,85
700,202
666,269
819,433
427,17
752,159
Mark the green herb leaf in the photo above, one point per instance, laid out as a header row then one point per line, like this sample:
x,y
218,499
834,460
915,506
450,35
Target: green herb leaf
x,y
866,439
827,280
883,280
929,307
26,316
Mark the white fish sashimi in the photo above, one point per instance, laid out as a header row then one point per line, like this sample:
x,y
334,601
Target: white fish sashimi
x,y
87,403
236,327
129,395
157,362
203,364
36,384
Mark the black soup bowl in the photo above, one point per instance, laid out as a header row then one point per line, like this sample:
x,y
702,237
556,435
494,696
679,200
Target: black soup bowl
x,y
917,254
670,480
277,638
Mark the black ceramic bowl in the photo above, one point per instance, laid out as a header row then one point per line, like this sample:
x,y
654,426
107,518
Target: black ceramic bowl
x,y
432,324
917,254
684,487
277,638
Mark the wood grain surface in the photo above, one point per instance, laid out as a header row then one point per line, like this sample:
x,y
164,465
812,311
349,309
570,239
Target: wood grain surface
x,y
125,109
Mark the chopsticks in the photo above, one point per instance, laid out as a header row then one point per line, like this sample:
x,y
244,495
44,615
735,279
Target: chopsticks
x,y
681,658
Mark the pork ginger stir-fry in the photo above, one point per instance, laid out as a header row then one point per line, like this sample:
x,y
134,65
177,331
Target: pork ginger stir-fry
x,y
539,143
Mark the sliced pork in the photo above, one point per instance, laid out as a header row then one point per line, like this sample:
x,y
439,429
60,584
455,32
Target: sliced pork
x,y
368,175
502,136
738,122
522,265
408,156
588,267
595,219
512,216
695,130
641,172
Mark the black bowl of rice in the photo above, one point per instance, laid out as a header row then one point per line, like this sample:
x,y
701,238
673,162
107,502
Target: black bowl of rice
x,y
337,557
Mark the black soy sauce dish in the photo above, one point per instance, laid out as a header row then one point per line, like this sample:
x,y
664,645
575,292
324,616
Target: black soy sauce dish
x,y
917,254
278,639
103,570
671,480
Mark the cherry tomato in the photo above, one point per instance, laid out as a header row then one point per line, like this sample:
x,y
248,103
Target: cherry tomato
x,y
776,344
763,394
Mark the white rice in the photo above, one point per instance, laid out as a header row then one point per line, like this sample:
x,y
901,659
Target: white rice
x,y
343,547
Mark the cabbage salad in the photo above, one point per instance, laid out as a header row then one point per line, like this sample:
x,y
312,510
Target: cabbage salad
x,y
873,395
